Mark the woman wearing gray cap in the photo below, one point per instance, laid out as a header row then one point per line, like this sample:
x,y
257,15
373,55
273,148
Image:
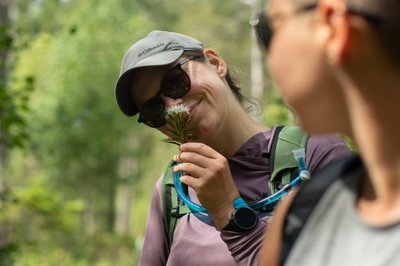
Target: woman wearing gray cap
x,y
227,167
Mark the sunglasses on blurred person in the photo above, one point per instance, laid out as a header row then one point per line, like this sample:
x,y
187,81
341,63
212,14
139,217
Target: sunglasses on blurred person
x,y
264,31
174,84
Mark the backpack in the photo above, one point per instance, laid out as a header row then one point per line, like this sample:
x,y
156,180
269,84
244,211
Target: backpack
x,y
307,198
283,170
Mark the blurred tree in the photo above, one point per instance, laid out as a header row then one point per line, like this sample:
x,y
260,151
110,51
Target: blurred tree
x,y
4,49
79,136
4,132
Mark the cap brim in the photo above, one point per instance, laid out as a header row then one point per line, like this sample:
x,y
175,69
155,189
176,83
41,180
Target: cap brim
x,y
122,88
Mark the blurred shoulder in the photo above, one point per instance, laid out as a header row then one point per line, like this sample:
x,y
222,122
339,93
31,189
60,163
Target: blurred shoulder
x,y
324,149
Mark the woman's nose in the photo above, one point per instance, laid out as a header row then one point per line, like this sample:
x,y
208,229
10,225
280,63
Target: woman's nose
x,y
171,101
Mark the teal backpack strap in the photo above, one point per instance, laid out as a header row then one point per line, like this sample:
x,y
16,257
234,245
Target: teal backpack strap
x,y
284,166
173,207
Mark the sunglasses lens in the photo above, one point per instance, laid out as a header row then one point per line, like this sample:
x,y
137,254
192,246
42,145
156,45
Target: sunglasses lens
x,y
176,83
152,113
263,30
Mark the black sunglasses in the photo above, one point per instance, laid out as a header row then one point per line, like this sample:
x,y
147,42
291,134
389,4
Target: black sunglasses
x,y
264,31
262,25
174,84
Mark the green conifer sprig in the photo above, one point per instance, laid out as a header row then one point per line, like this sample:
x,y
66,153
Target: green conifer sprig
x,y
178,118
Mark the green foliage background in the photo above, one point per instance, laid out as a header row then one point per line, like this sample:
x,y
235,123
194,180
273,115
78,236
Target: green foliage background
x,y
78,174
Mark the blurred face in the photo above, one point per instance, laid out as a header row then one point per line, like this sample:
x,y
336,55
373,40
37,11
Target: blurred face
x,y
205,97
296,59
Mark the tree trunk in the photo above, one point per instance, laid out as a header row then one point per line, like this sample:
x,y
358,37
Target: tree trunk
x,y
256,60
123,209
4,7
3,59
111,206
257,76
128,168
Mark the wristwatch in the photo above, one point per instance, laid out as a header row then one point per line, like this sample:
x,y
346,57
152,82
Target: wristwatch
x,y
243,218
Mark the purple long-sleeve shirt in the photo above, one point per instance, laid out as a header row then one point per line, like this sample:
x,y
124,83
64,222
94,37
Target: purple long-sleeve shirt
x,y
196,243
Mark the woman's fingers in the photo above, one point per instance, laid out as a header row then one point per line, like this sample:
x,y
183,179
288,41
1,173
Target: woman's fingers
x,y
192,157
191,181
190,169
199,148
198,154
208,173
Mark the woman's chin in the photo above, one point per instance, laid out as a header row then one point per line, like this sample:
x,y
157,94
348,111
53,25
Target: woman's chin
x,y
314,128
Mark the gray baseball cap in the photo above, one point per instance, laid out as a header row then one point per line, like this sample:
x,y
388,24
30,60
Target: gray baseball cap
x,y
156,49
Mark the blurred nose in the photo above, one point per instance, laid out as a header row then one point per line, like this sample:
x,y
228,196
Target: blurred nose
x,y
171,101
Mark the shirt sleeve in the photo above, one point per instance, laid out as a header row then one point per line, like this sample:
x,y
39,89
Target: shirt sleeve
x,y
324,149
155,247
320,151
245,247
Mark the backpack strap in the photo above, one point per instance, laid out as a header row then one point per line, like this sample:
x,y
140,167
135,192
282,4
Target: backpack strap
x,y
283,165
173,207
307,199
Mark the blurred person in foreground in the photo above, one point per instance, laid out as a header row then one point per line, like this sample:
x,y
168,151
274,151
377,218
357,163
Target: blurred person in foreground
x,y
337,64
227,166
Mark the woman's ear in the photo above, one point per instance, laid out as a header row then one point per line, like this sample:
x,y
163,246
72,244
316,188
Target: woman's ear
x,y
216,61
334,15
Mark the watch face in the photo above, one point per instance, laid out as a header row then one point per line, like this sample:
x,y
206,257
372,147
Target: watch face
x,y
245,218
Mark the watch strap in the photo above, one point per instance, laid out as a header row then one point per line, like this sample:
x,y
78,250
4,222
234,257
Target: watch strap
x,y
239,203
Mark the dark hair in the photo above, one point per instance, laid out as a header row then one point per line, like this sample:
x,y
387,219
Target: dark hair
x,y
388,30
248,103
233,84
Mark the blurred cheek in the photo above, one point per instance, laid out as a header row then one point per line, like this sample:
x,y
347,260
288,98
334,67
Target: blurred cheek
x,y
297,69
290,51
285,68
294,62
307,85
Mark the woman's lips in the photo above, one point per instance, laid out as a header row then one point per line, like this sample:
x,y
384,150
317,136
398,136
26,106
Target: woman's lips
x,y
193,107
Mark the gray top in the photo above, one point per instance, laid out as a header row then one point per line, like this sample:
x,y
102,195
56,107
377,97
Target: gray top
x,y
336,235
196,243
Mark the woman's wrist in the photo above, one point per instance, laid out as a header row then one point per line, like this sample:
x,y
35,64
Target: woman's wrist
x,y
221,215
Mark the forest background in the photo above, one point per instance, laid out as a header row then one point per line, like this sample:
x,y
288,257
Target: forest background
x,y
76,176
